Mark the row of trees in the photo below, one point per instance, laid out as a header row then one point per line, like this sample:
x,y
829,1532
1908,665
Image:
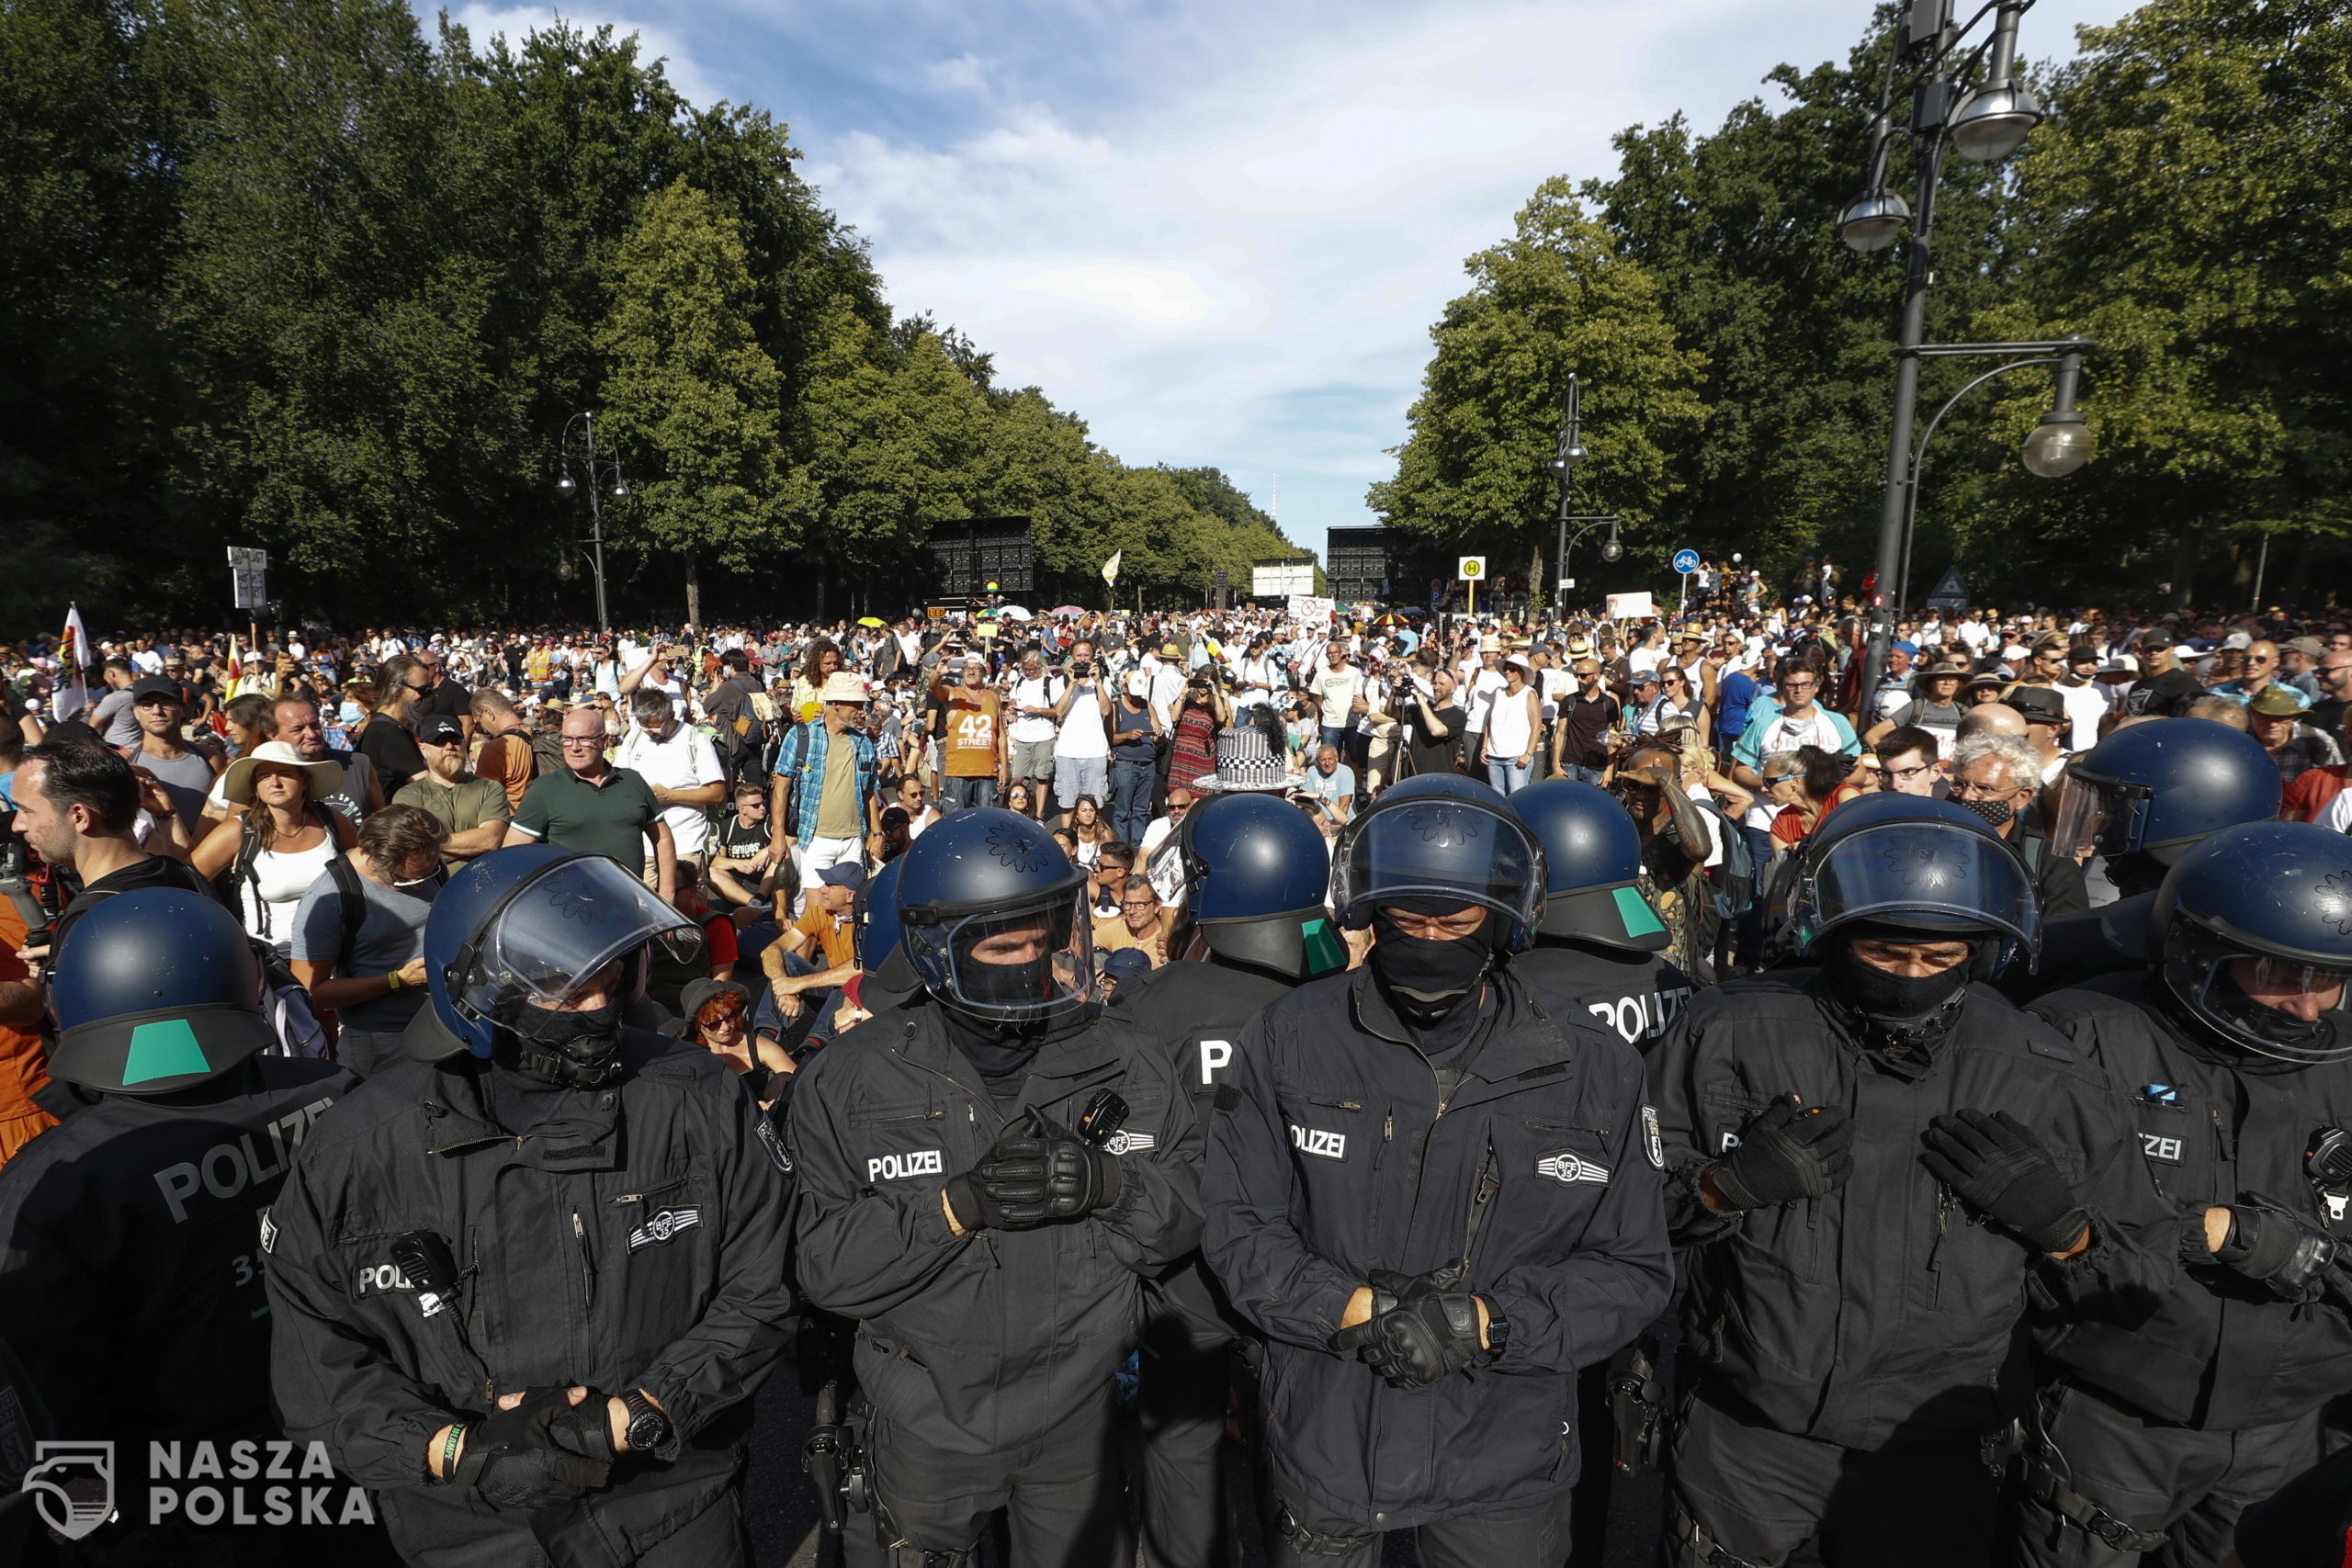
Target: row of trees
x,y
2186,205
290,273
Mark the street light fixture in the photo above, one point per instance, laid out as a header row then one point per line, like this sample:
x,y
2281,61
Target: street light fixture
x,y
1989,124
594,466
1565,457
2061,443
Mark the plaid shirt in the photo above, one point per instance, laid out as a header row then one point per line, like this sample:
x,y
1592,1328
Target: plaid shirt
x,y
801,759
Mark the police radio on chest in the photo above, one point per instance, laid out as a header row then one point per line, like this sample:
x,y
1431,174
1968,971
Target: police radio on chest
x,y
2328,1165
1104,1114
425,1261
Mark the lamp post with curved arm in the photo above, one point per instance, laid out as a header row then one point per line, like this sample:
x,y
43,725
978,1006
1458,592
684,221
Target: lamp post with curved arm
x,y
2060,443
594,468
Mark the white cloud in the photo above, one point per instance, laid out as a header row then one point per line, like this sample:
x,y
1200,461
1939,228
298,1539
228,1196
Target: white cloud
x,y
654,41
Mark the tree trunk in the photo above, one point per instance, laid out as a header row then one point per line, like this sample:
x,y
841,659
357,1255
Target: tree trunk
x,y
694,593
2184,563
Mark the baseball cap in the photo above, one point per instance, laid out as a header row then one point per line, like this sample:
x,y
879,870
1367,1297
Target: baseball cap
x,y
843,874
1126,964
440,731
155,686
2156,640
2309,647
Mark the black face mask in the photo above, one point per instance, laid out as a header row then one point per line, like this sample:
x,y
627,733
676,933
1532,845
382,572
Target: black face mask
x,y
1425,980
1889,999
1995,813
580,1049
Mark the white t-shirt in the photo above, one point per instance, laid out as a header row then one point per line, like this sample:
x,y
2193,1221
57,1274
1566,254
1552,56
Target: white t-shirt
x,y
2085,705
1034,691
1336,691
686,760
2337,814
1081,735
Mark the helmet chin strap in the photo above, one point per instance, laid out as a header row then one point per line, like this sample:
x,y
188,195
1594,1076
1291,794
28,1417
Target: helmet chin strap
x,y
580,1049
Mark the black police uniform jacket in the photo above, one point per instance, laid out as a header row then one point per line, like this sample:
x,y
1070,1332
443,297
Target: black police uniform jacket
x,y
1197,1011
988,1340
1635,995
131,1286
2208,1123
636,1238
1885,1312
1330,1158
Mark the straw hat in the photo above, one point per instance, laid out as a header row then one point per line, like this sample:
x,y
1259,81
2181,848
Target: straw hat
x,y
325,778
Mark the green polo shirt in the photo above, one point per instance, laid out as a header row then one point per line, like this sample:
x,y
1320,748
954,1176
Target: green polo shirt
x,y
611,818
461,807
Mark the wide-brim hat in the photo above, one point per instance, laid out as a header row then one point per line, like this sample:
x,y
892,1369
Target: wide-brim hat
x,y
840,686
237,786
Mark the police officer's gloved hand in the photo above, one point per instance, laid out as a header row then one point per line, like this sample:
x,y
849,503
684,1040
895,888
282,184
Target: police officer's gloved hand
x,y
2278,1249
1421,1330
586,1428
1786,1154
510,1458
1039,1171
2000,1169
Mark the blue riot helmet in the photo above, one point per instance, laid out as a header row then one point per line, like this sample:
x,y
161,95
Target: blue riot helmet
x,y
1592,856
1449,847
155,991
993,917
1257,873
1918,865
888,972
2159,786
520,932
1458,786
2256,923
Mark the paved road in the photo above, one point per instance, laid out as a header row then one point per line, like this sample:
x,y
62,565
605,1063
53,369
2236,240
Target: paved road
x,y
782,1510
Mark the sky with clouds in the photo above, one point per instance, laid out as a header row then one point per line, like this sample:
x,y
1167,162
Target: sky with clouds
x,y
1218,230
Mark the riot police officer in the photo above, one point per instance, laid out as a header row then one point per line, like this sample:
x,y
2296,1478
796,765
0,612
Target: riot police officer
x,y
1599,942
135,1227
1601,945
527,1280
2140,799
1873,1164
2230,1041
1256,874
985,1177
1436,1193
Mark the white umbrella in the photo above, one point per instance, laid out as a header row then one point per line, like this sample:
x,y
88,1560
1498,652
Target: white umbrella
x,y
1011,613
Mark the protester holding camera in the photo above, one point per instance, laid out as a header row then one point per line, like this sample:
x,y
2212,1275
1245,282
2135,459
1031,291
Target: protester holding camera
x,y
1082,745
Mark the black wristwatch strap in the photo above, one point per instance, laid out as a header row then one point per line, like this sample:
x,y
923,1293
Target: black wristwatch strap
x,y
1497,1332
645,1417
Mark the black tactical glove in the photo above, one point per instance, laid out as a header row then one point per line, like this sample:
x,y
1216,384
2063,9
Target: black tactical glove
x,y
1787,1153
586,1428
510,1458
2000,1169
2276,1248
1037,1172
1423,1329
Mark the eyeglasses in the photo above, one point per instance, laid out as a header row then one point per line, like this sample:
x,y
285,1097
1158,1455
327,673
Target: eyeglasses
x,y
583,740
1905,775
1969,789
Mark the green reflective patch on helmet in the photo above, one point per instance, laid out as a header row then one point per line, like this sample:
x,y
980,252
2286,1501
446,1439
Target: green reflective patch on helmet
x,y
1325,951
1635,911
164,1050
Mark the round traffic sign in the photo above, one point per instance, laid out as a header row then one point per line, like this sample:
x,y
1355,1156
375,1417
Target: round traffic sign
x,y
1686,561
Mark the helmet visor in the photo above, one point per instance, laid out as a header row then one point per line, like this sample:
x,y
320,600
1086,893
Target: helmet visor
x,y
2280,1007
1440,847
560,930
1011,964
2097,816
1925,874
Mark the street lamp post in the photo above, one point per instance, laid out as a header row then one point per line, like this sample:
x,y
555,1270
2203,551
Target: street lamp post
x,y
594,468
2060,443
1564,459
1986,125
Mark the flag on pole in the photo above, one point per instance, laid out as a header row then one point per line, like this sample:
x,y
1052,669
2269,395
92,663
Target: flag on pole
x,y
1111,567
237,665
73,693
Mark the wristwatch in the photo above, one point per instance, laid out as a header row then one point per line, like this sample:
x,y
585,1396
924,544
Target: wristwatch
x,y
1498,1335
648,1429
